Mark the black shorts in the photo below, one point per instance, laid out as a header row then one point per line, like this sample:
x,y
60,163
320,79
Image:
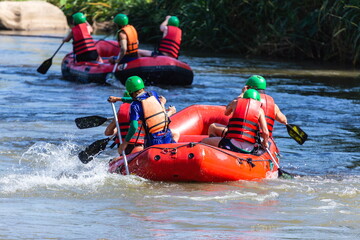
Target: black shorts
x,y
87,56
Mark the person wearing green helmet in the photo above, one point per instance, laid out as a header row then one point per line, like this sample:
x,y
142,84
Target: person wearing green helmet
x,y
247,122
170,41
83,44
136,143
149,108
127,37
271,110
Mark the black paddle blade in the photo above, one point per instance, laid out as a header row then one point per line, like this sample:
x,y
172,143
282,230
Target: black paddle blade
x,y
285,175
93,149
296,133
89,122
44,67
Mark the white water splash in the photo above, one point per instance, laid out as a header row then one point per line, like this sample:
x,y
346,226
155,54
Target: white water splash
x,y
54,168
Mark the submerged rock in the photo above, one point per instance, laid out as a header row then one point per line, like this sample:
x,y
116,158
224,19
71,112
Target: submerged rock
x,y
31,15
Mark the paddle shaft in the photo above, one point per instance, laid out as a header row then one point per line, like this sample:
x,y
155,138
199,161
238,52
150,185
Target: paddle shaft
x,y
272,158
57,49
119,135
115,66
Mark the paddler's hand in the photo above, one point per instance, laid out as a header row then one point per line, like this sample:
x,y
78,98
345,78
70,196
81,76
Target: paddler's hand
x,y
114,99
122,147
265,144
171,110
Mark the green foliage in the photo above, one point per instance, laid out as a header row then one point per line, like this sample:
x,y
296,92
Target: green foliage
x,y
313,29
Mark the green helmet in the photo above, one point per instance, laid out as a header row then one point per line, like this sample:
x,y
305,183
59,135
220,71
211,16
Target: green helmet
x,y
126,94
79,18
252,93
121,19
257,82
134,84
173,21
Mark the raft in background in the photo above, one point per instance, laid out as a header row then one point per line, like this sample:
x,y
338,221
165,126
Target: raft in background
x,y
191,161
158,70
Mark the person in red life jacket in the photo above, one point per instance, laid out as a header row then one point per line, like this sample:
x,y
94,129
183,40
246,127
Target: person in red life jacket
x,y
271,110
148,107
136,143
128,40
245,125
171,39
83,44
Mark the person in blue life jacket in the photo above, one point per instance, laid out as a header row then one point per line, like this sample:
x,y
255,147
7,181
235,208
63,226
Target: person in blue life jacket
x,y
83,44
149,108
245,125
171,39
127,38
271,109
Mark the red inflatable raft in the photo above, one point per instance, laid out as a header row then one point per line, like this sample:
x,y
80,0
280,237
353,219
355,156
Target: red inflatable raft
x,y
158,70
192,161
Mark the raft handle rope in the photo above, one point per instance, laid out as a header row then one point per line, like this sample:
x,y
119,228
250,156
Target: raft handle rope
x,y
250,161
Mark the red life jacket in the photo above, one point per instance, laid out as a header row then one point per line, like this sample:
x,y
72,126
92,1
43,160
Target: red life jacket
x,y
244,123
124,119
268,105
171,42
82,40
132,39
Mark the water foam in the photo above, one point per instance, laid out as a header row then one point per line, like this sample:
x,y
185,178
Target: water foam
x,y
48,167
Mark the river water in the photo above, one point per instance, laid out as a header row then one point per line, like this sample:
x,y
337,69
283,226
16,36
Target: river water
x,y
47,193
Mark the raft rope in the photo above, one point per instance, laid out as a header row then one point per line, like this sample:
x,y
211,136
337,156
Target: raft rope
x,y
173,150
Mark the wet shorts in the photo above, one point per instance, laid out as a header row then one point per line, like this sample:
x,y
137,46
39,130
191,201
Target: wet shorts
x,y
87,56
159,138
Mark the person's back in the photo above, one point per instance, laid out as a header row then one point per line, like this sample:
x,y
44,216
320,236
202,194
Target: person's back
x,y
271,110
148,108
244,125
170,42
83,43
128,40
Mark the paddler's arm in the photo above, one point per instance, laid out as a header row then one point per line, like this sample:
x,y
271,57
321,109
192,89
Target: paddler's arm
x,y
132,130
264,133
122,99
68,37
123,46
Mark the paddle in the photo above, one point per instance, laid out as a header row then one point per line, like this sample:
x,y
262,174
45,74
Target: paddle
x,y
44,67
90,121
296,133
93,149
282,173
110,76
119,136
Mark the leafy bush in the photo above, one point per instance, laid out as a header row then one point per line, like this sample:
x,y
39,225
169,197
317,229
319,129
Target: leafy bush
x,y
313,29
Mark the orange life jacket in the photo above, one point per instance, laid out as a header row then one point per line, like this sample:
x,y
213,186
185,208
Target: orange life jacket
x,y
82,40
244,123
171,42
124,124
155,117
132,39
268,105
